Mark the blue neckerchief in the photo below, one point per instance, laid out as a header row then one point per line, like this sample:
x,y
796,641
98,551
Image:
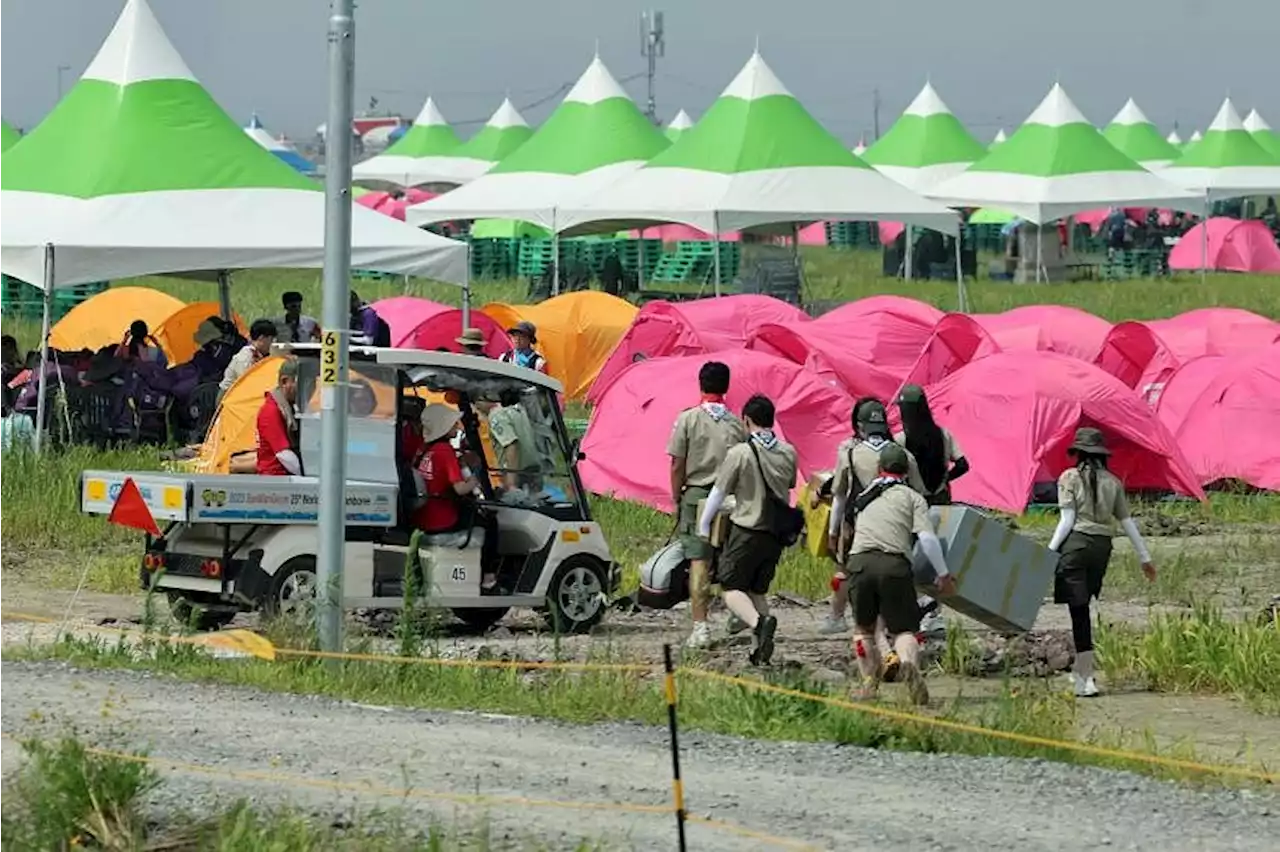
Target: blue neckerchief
x,y
526,358
765,438
717,410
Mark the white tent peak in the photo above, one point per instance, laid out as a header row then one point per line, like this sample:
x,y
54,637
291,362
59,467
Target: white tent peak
x,y
1227,118
927,103
1000,136
595,85
136,50
506,116
1196,136
1255,123
860,148
682,121
755,80
1173,138
259,134
1130,114
1057,110
429,115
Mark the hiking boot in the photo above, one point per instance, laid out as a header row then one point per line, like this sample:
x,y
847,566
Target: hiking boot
x,y
916,688
700,637
762,641
831,626
1085,687
735,625
889,668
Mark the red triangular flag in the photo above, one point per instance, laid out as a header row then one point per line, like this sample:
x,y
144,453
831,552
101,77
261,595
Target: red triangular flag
x,y
130,510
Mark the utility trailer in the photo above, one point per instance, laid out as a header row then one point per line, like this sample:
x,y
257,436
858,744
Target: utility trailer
x,y
232,543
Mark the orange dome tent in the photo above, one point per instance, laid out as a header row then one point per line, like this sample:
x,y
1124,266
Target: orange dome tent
x,y
235,425
177,333
576,333
102,320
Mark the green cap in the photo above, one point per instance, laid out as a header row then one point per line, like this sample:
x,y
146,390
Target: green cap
x,y
911,395
893,459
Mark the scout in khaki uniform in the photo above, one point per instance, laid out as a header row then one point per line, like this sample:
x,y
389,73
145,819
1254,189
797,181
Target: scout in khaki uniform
x,y
857,464
938,456
889,514
514,444
760,474
1090,501
699,442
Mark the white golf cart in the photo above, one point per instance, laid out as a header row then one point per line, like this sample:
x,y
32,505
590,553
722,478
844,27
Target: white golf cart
x,y
233,543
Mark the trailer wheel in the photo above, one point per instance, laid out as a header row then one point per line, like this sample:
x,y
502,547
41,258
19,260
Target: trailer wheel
x,y
293,590
480,619
576,598
196,614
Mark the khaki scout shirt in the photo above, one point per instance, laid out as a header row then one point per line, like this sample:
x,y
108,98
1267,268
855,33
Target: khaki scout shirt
x,y
702,442
1093,518
866,467
740,476
508,425
889,522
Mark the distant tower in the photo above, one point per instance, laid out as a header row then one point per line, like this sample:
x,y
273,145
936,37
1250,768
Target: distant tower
x,y
653,44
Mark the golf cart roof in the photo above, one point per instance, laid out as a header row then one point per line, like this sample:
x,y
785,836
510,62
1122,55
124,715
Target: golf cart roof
x,y
418,363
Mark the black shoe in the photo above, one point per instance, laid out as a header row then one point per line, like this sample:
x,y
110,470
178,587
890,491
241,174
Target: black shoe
x,y
762,647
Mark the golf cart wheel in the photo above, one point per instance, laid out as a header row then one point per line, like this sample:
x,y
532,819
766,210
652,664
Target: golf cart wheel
x,y
576,599
480,619
293,590
196,614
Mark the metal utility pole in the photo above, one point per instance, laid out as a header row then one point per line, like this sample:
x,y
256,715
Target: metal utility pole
x,y
875,112
653,44
336,324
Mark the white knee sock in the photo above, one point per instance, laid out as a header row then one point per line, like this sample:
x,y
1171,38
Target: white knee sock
x,y
741,605
1083,666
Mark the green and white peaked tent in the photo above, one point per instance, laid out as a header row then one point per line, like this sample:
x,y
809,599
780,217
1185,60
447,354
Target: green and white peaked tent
x,y
504,132
678,125
1000,138
138,171
1262,132
595,136
925,146
757,157
1196,136
8,136
424,155
1227,163
1175,140
1057,164
859,149
1134,134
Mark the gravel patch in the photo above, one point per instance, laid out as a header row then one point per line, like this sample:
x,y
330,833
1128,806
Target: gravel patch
x,y
831,797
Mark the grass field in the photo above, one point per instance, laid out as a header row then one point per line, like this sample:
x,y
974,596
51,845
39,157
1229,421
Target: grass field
x,y
1223,554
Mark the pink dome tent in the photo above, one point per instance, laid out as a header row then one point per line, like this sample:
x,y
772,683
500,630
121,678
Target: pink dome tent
x,y
1047,328
955,341
1144,355
674,232
867,346
626,442
1234,246
424,324
691,328
1224,413
1015,414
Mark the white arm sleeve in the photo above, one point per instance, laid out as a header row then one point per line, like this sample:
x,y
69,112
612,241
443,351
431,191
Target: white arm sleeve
x,y
1066,521
1131,530
714,501
837,513
289,459
933,549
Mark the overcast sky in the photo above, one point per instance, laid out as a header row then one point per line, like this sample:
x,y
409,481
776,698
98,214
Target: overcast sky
x,y
992,62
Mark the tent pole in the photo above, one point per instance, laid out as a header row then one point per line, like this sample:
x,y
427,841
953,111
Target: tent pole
x,y
795,254
1204,241
42,391
224,295
960,294
715,236
640,268
906,259
466,293
1039,250
555,256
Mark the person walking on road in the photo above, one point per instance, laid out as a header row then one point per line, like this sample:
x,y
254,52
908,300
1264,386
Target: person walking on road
x,y
889,514
1090,501
760,474
699,442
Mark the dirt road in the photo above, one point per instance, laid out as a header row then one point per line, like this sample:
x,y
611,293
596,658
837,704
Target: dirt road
x,y
844,798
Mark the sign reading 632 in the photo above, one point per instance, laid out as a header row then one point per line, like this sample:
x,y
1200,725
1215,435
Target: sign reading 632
x,y
329,358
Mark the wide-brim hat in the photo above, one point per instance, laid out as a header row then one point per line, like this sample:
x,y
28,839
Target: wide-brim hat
x,y
1089,440
471,337
438,420
526,328
207,332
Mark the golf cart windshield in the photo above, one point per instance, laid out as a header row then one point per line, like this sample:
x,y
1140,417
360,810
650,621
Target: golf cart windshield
x,y
514,427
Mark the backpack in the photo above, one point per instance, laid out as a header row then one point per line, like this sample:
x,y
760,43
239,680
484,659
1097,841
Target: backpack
x,y
784,521
854,504
664,578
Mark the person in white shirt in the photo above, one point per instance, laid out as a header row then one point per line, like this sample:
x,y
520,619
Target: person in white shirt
x,y
295,326
261,335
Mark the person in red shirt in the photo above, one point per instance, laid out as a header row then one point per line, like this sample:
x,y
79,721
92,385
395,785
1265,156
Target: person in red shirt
x,y
444,485
412,446
278,428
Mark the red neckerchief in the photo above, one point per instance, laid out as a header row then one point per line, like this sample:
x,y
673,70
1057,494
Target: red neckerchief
x,y
713,397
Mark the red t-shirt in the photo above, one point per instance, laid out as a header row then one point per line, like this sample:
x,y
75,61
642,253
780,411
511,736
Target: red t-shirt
x,y
440,470
411,443
273,437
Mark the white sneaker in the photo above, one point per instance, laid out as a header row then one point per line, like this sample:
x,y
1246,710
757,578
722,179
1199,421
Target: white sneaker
x,y
1085,687
700,637
831,626
933,624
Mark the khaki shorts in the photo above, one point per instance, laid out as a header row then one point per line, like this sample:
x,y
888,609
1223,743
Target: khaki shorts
x,y
695,546
883,587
